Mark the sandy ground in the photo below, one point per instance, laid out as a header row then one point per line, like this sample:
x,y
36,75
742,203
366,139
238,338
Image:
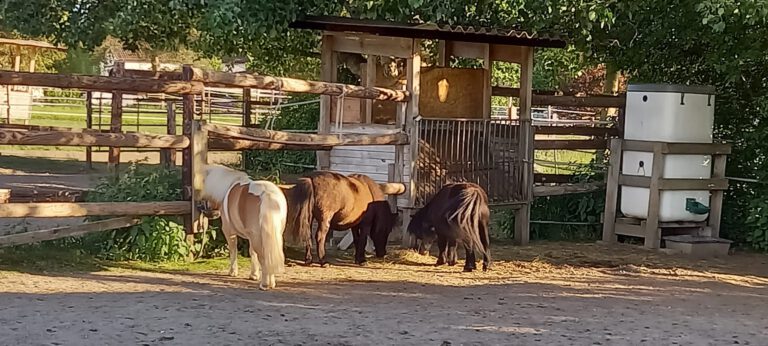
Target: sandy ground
x,y
538,295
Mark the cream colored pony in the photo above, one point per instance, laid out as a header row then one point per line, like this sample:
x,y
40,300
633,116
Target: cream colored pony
x,y
254,210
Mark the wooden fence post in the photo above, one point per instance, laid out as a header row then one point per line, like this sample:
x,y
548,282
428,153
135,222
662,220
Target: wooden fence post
x,y
89,125
199,145
188,109
168,156
247,121
116,118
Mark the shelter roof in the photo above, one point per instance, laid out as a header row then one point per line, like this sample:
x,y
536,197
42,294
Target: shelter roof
x,y
431,31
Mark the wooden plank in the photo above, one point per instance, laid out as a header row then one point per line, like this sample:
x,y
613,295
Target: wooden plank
x,y
612,192
116,119
506,53
370,81
20,210
372,44
100,83
487,69
567,189
199,148
540,99
68,231
328,65
470,50
630,230
652,231
555,144
413,79
553,178
281,137
634,180
49,128
340,153
247,103
716,198
245,80
713,184
161,75
443,53
230,144
32,44
525,149
61,138
577,131
696,148
89,126
632,145
168,156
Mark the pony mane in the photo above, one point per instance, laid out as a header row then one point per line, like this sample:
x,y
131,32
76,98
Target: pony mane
x,y
219,179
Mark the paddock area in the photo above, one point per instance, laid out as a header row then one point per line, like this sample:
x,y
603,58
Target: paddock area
x,y
545,294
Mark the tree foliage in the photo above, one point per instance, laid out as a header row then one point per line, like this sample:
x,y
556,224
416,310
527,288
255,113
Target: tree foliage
x,y
716,42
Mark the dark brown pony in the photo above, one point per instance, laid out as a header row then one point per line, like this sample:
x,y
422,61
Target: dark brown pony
x,y
337,202
458,213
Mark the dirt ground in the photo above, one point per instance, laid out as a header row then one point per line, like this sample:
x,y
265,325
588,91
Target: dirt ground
x,y
545,294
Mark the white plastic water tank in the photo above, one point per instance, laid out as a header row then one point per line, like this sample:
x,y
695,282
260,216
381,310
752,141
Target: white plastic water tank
x,y
674,114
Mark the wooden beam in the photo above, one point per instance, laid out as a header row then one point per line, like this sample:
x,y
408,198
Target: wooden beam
x,y
566,189
100,83
612,192
68,231
199,148
230,144
716,198
696,148
547,144
470,50
31,43
168,156
20,210
525,149
633,145
161,75
370,81
288,138
652,231
540,99
371,44
487,71
188,115
116,119
328,69
634,180
506,53
244,80
79,139
694,184
577,131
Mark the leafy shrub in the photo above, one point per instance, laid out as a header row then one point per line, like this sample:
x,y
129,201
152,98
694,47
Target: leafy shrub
x,y
276,162
583,210
155,238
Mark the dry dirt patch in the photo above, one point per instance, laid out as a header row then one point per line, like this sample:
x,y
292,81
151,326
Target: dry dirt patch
x,y
547,294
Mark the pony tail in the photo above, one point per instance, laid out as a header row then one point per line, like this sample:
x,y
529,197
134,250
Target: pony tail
x,y
302,200
468,215
272,223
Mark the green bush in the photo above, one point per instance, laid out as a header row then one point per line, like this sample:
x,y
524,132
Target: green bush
x,y
155,238
583,210
273,163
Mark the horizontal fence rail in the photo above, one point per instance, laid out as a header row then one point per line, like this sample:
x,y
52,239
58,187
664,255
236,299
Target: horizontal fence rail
x,y
22,210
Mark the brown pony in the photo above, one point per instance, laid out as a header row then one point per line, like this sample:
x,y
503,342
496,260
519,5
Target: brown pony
x,y
337,202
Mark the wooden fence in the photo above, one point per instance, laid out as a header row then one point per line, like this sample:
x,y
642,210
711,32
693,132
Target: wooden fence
x,y
197,138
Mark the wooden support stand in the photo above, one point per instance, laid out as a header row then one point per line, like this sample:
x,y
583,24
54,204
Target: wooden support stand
x,y
650,229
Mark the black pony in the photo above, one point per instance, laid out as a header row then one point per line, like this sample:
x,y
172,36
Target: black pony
x,y
458,213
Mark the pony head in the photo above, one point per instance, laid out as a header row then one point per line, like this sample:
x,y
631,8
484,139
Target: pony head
x,y
422,230
217,182
382,227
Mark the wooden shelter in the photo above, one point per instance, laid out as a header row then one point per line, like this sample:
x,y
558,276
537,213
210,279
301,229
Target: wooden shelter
x,y
452,136
15,99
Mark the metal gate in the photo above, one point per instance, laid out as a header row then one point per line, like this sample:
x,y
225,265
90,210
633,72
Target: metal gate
x,y
481,151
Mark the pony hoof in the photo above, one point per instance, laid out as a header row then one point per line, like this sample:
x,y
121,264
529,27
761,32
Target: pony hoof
x,y
233,273
362,264
468,270
324,265
263,288
254,277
